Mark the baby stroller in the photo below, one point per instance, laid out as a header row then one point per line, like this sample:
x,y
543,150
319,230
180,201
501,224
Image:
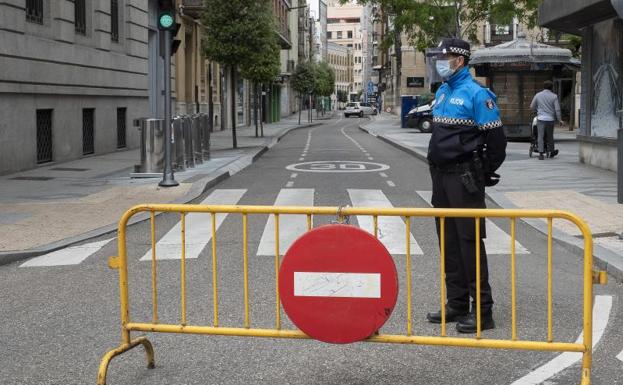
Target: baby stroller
x,y
534,142
534,139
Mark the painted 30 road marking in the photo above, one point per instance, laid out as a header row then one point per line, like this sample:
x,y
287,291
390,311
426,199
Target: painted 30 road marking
x,y
337,166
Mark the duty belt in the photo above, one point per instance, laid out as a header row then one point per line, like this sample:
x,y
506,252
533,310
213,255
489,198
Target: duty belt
x,y
453,167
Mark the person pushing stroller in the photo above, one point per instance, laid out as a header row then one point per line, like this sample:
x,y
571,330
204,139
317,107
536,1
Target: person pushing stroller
x,y
547,107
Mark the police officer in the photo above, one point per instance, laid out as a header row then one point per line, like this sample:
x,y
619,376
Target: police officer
x,y
466,148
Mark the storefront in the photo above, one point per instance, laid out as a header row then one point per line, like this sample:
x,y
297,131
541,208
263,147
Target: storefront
x,y
601,27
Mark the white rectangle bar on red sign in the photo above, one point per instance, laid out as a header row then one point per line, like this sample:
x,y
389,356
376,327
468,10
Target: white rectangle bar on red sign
x,y
346,285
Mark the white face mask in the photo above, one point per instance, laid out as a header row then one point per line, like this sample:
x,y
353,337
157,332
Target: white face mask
x,y
444,69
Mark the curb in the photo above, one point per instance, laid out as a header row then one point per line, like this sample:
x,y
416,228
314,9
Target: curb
x,y
604,258
197,189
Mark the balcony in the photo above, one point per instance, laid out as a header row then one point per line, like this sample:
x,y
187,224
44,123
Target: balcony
x,y
193,8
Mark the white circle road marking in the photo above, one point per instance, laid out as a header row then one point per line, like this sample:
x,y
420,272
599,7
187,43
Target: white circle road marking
x,y
337,166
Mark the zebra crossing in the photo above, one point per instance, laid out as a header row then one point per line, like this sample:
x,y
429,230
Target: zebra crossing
x,y
391,230
198,229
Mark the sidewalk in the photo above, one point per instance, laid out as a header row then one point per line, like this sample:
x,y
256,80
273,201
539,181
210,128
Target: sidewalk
x,y
59,204
561,183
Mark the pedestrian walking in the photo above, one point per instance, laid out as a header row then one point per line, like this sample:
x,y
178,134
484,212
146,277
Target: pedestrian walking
x,y
467,146
547,107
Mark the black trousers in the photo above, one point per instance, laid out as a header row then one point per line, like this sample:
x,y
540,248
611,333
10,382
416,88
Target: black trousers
x,y
460,242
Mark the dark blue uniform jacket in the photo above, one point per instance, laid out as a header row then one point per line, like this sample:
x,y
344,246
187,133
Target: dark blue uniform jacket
x,y
465,119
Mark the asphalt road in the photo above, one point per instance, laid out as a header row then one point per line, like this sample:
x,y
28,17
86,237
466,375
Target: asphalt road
x,y
56,322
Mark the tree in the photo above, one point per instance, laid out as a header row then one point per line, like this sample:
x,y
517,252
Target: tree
x,y
234,31
325,81
425,22
428,21
342,96
302,81
264,64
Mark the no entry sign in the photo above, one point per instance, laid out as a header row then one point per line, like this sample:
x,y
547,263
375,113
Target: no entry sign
x,y
338,284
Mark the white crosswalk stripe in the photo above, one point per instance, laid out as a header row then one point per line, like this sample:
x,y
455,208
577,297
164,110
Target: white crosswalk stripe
x,y
198,228
391,229
69,256
497,241
290,226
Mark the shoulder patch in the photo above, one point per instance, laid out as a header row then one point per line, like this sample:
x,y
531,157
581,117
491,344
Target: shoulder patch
x,y
441,98
490,104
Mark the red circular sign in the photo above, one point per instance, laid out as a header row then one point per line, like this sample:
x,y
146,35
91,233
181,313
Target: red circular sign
x,y
338,284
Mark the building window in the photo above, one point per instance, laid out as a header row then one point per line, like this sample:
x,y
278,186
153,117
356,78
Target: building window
x,y
44,136
121,119
339,34
34,11
329,35
350,34
114,20
88,131
80,17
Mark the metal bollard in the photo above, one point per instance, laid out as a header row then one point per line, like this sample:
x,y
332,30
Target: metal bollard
x,y
196,129
177,153
189,156
205,119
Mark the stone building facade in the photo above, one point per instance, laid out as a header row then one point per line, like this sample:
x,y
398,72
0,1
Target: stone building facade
x,y
340,59
74,76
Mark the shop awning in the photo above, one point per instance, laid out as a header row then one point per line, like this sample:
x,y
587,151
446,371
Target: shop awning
x,y
521,50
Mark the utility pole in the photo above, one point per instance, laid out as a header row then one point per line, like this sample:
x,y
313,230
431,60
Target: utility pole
x,y
167,24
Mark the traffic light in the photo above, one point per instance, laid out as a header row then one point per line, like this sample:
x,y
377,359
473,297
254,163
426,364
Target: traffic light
x,y
166,22
166,15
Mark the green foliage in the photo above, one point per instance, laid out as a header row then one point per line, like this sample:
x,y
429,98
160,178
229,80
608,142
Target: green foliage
x,y
325,79
342,96
241,33
428,21
303,78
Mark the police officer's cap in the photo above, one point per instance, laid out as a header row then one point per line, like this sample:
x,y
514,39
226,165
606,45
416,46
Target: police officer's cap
x,y
454,46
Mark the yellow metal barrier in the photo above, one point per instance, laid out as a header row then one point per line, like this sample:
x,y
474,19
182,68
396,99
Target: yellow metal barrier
x,y
120,263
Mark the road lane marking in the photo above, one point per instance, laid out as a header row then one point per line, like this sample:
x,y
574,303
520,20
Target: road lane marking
x,y
391,184
383,174
301,159
294,175
290,226
290,184
391,229
620,356
343,285
370,158
601,314
68,256
198,228
497,240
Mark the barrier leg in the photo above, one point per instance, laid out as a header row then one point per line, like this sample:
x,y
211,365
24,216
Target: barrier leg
x,y
149,350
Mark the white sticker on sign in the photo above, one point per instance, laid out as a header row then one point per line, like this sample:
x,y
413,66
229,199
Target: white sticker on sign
x,y
346,285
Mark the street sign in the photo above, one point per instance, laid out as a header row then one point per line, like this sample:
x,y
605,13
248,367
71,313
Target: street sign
x,y
338,284
370,87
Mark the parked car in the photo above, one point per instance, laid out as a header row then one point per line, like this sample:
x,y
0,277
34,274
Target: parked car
x,y
359,109
421,117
